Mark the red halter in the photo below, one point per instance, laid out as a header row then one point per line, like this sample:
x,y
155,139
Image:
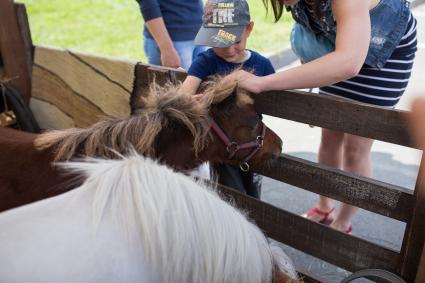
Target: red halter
x,y
232,147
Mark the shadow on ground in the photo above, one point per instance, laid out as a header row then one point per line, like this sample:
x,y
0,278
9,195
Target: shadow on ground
x,y
375,228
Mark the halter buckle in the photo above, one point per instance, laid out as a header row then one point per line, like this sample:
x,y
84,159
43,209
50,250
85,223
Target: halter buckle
x,y
260,141
232,147
244,166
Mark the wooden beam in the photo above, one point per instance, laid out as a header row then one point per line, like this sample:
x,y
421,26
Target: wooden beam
x,y
379,197
1,67
420,275
145,74
13,50
334,113
318,240
414,236
22,17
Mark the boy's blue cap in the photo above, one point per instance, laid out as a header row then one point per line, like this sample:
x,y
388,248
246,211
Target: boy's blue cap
x,y
223,23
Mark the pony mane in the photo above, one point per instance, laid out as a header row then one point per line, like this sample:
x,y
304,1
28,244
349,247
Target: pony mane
x,y
183,226
162,106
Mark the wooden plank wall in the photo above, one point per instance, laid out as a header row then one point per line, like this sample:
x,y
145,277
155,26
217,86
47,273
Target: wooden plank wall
x,y
72,89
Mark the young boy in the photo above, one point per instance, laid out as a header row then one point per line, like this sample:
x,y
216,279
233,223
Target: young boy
x,y
226,27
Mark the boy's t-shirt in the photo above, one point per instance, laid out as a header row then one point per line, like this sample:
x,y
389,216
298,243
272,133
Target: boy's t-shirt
x,y
208,63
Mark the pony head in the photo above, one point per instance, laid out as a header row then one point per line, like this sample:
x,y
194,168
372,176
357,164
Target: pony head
x,y
171,126
233,111
223,124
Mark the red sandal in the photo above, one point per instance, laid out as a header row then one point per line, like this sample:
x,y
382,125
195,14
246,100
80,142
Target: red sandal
x,y
349,230
327,218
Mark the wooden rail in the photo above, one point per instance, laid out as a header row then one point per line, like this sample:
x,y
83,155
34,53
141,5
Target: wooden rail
x,y
334,113
318,240
379,197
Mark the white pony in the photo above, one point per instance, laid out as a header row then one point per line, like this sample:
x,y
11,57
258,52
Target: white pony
x,y
135,221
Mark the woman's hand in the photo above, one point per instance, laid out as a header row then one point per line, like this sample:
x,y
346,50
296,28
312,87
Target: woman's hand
x,y
170,58
249,81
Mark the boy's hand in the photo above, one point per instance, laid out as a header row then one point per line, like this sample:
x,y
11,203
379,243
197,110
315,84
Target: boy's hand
x,y
248,81
170,58
196,97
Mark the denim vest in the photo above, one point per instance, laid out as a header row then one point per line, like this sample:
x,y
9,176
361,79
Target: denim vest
x,y
388,20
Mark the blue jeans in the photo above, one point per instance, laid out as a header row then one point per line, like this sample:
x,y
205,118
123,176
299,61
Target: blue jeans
x,y
187,51
307,45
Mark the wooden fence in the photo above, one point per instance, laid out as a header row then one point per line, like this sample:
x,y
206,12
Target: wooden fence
x,y
345,251
67,89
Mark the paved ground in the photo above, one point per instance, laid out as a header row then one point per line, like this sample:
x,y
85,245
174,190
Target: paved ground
x,y
393,164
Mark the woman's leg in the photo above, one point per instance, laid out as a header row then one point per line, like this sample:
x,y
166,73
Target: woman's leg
x,y
188,51
185,51
330,154
183,48
356,160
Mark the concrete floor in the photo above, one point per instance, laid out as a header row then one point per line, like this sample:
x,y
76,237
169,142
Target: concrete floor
x,y
391,163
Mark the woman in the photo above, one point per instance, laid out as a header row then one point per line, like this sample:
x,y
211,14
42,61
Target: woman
x,y
170,30
361,50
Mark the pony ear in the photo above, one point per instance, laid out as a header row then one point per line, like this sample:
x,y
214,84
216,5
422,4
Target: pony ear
x,y
229,93
218,88
227,103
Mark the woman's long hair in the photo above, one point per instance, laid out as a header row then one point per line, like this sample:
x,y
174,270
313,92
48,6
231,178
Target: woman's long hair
x,y
278,7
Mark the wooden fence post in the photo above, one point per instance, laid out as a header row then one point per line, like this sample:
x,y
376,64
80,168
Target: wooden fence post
x,y
16,47
420,275
414,236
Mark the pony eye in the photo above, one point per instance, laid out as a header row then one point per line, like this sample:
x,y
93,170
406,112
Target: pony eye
x,y
256,121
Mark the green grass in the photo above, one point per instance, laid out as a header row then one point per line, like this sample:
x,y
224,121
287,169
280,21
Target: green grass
x,y
114,27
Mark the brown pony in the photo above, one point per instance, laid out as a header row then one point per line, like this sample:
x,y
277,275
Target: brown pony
x,y
170,126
